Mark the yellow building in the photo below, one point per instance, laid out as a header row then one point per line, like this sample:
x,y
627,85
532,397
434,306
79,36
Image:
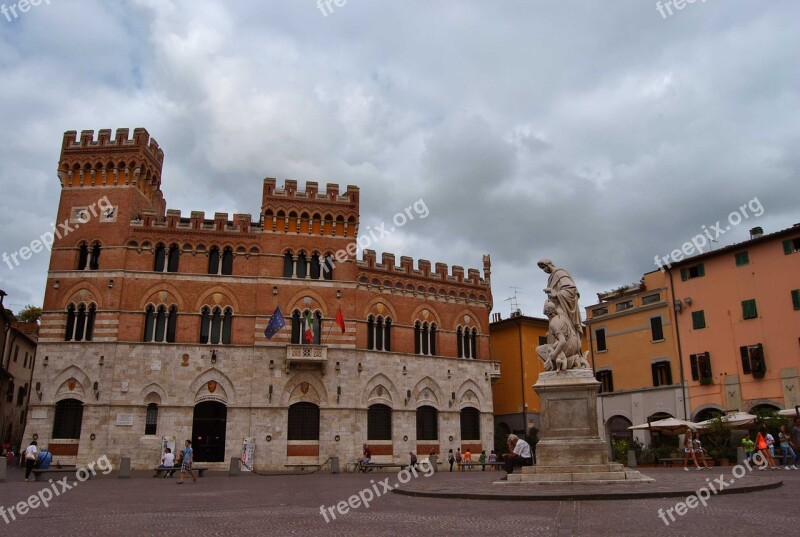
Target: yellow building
x,y
633,353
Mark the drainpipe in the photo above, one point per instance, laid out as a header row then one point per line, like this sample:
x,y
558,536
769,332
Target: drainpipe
x,y
680,352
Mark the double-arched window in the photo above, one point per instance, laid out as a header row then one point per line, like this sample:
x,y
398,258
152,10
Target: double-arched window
x,y
216,325
160,324
220,263
166,260
315,267
425,338
299,327
379,333
80,322
467,342
89,256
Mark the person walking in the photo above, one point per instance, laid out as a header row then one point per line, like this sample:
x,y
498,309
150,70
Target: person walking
x,y
763,447
30,459
786,449
688,450
459,459
450,458
186,462
699,451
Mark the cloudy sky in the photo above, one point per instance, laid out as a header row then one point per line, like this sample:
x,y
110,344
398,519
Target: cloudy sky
x,y
599,134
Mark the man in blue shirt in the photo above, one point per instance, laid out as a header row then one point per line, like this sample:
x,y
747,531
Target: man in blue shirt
x,y
44,459
186,462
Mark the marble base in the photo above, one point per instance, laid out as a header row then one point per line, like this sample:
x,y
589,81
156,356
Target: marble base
x,y
581,473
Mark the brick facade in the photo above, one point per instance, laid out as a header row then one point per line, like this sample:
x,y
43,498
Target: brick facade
x,y
116,183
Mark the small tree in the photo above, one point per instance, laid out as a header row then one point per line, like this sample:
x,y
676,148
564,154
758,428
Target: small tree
x,y
718,437
29,314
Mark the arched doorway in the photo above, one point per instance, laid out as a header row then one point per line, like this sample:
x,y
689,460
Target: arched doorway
x,y
208,431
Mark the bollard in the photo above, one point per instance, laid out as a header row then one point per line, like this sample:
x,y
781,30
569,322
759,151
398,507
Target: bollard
x,y
124,468
739,455
2,471
434,462
334,465
631,458
236,467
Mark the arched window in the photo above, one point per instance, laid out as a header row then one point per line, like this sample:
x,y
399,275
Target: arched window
x,y
297,328
83,256
387,335
425,338
474,343
288,265
216,325
379,422
205,324
317,328
459,342
68,419
467,344
303,422
302,265
213,260
151,419
174,256
315,267
160,324
159,258
371,333
427,423
80,322
70,323
94,257
379,334
227,261
470,424
327,268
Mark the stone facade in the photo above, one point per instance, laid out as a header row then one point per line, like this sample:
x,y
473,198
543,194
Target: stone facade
x,y
135,383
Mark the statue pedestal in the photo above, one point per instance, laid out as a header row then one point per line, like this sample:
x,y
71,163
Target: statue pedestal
x,y
570,449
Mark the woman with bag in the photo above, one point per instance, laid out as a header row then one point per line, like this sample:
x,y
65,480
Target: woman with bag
x,y
763,448
688,449
30,459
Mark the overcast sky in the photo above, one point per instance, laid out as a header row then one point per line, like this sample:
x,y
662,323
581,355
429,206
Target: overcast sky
x,y
598,134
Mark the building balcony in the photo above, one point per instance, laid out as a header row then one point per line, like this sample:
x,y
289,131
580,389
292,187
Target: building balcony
x,y
306,357
494,374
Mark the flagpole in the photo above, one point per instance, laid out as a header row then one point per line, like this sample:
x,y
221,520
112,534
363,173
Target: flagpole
x,y
328,334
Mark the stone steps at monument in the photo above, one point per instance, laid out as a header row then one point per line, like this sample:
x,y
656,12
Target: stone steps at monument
x,y
573,468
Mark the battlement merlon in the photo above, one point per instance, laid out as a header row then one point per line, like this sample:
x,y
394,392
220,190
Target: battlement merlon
x,y
241,223
274,196
121,146
369,262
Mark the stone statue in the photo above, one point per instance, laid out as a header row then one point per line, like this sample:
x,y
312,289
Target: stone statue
x,y
563,348
562,290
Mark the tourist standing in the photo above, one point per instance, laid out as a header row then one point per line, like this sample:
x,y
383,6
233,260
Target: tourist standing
x,y
688,450
786,449
699,452
748,446
483,460
30,459
492,460
763,448
450,458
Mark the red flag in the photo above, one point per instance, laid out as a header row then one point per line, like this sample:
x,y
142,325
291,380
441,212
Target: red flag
x,y
340,319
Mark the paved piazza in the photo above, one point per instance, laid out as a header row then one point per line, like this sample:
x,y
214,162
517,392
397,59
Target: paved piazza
x,y
290,505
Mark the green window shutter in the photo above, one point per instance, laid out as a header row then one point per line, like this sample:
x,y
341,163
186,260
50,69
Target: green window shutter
x,y
745,353
749,309
685,275
796,299
787,247
654,371
698,319
742,258
701,271
693,364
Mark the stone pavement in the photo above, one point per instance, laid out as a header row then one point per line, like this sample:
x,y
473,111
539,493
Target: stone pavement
x,y
290,505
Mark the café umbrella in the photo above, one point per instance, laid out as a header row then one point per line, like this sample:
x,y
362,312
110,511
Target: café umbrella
x,y
735,420
671,426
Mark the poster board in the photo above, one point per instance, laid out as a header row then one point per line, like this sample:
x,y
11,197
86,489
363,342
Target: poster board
x,y
248,450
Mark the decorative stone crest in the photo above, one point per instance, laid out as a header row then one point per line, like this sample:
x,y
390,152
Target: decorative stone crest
x,y
212,386
71,383
304,387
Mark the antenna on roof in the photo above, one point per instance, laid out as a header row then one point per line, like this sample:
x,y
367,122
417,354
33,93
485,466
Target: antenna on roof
x,y
515,311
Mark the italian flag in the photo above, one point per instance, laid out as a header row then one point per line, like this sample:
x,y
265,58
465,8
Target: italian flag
x,y
309,330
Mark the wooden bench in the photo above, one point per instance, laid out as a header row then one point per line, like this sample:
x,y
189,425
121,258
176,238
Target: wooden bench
x,y
38,473
175,469
377,465
304,466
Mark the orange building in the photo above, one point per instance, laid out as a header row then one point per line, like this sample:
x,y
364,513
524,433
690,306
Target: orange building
x,y
738,323
635,358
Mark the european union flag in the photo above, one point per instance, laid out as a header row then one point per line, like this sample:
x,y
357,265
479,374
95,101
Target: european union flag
x,y
275,323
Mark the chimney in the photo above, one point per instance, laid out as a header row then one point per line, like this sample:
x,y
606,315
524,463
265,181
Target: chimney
x,y
756,232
